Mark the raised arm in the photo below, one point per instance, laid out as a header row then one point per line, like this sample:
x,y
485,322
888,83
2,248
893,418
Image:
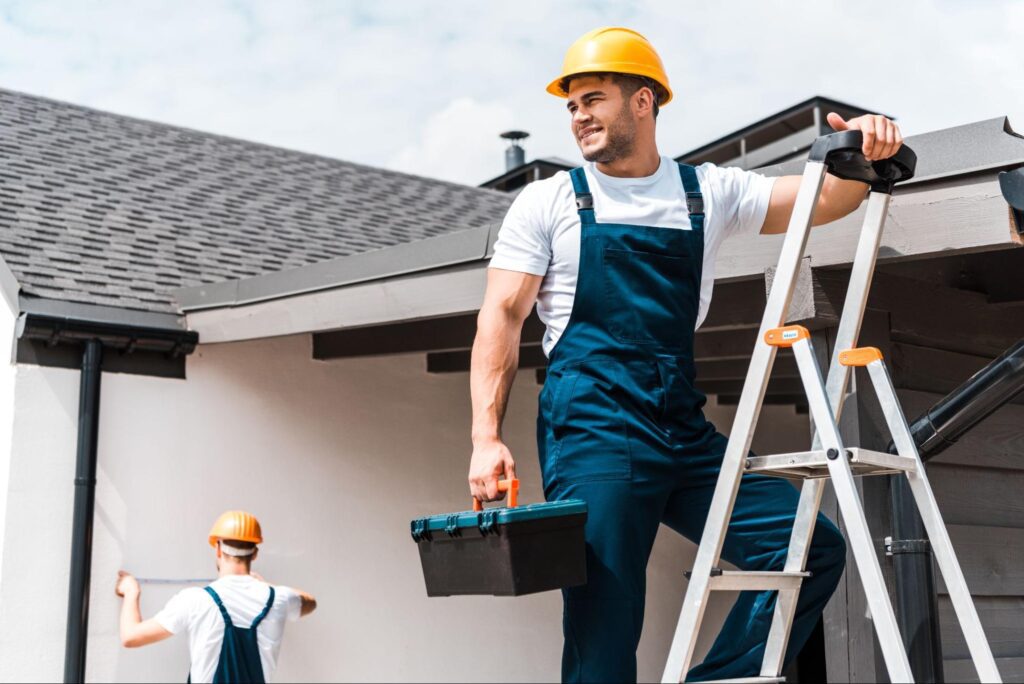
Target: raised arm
x,y
839,197
135,631
507,302
308,603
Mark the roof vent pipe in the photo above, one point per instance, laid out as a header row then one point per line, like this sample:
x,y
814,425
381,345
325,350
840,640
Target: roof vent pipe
x,y
515,155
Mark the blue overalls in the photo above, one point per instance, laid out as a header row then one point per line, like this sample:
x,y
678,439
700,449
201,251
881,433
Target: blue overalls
x,y
240,652
621,426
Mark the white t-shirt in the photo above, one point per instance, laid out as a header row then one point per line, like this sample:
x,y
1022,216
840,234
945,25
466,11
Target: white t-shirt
x,y
541,232
194,611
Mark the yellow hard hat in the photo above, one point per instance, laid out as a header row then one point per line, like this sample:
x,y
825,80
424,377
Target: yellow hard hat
x,y
236,526
614,49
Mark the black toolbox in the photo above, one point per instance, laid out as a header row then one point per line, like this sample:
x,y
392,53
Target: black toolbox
x,y
503,551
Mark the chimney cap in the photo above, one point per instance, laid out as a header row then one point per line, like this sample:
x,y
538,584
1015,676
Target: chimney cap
x,y
515,135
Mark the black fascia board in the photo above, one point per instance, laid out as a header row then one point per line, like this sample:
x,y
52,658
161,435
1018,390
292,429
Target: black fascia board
x,y
55,338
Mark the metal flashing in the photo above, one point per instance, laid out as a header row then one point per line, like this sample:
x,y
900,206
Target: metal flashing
x,y
449,249
99,313
9,287
962,150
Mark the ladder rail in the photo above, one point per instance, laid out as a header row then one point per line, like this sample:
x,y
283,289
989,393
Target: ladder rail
x,y
811,491
719,513
852,511
938,535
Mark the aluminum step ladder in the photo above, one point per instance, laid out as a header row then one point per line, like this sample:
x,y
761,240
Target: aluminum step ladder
x,y
829,457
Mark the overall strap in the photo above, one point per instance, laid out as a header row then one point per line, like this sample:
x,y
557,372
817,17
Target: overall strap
x,y
220,604
266,609
584,200
694,198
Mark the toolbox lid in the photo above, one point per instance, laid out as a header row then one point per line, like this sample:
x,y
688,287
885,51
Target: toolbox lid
x,y
498,516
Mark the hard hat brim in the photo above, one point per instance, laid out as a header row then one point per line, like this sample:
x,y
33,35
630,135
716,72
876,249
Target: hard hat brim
x,y
627,69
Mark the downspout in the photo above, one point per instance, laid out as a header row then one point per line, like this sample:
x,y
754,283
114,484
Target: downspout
x,y
934,431
93,338
85,501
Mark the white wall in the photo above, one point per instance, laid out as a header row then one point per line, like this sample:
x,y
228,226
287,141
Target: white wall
x,y
335,458
7,370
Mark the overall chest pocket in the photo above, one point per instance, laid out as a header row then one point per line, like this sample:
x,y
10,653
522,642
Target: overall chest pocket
x,y
651,298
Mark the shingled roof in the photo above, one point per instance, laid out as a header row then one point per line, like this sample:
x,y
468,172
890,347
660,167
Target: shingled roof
x,y
106,209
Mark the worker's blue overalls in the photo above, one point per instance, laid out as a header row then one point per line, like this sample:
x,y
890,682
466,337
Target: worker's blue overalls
x,y
621,426
240,651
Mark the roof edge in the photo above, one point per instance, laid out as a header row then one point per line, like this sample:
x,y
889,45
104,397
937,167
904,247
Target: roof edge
x,y
10,288
98,313
986,145
439,251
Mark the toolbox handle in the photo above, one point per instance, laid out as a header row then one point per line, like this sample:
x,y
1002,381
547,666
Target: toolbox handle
x,y
841,153
510,486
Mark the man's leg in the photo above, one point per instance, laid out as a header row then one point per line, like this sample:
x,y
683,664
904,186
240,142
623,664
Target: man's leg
x,y
758,539
603,619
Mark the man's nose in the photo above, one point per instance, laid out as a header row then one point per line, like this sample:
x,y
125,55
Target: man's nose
x,y
580,116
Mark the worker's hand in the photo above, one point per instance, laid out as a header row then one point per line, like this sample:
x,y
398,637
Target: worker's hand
x,y
491,459
882,137
127,586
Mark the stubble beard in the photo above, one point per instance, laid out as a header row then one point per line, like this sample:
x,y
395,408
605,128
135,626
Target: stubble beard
x,y
621,140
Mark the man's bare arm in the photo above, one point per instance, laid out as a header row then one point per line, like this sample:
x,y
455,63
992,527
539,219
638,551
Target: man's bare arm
x,y
882,138
135,631
308,603
507,302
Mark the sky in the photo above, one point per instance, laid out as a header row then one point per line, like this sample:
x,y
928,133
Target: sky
x,y
426,86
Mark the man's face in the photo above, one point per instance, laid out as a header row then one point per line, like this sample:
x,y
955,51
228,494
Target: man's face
x,y
602,121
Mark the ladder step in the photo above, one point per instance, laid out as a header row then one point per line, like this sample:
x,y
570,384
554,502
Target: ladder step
x,y
746,679
741,580
814,464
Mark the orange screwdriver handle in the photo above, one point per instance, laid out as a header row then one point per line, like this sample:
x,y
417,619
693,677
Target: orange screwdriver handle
x,y
510,486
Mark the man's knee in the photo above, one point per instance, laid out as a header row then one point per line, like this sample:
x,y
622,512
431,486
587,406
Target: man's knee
x,y
828,552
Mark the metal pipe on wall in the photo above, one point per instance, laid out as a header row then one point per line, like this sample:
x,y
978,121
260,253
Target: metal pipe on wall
x,y
934,431
84,506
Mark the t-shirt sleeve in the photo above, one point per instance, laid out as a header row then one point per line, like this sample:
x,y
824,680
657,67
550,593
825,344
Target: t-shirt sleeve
x,y
742,197
175,615
293,602
524,242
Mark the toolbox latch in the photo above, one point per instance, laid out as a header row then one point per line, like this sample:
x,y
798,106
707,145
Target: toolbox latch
x,y
486,521
451,527
419,530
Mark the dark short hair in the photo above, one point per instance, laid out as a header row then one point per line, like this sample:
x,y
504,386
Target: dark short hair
x,y
628,84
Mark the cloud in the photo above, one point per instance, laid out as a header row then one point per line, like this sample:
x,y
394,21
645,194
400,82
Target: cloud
x,y
459,142
393,83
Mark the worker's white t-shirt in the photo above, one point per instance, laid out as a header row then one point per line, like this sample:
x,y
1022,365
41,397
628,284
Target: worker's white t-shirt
x,y
194,611
541,232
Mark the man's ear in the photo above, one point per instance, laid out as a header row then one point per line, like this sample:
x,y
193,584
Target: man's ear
x,y
645,99
255,552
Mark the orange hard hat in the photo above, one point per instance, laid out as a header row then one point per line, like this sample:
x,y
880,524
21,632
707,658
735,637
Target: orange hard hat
x,y
615,49
236,526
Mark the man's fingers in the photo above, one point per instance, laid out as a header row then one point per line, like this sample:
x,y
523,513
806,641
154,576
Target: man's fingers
x,y
491,489
868,143
836,122
890,139
881,133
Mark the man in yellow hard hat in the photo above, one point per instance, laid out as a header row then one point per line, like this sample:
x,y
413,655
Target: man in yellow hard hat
x,y
619,257
234,625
